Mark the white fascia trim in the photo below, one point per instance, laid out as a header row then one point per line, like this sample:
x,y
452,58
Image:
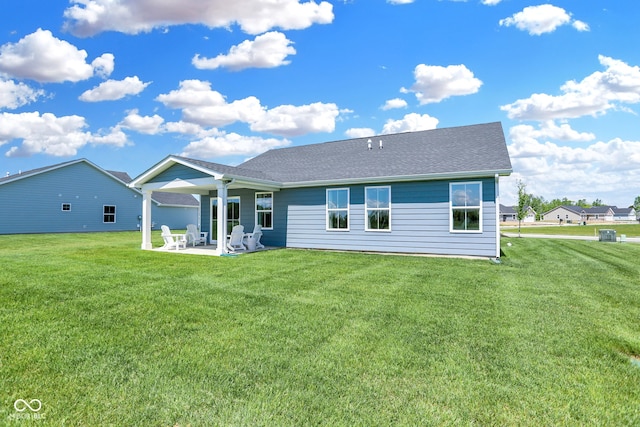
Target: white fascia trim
x,y
399,178
254,184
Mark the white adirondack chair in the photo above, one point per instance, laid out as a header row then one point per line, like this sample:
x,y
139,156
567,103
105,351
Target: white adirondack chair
x,y
235,239
173,241
194,236
252,240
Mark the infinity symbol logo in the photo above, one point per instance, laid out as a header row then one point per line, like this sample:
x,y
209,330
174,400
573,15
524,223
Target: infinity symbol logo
x,y
21,405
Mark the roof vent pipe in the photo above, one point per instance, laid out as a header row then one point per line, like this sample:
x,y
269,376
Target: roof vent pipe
x,y
369,144
381,144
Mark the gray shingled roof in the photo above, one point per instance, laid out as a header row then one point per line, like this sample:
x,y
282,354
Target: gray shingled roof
x,y
175,199
464,149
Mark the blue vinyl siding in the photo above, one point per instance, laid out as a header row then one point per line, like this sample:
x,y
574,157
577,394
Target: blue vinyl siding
x,y
419,220
33,204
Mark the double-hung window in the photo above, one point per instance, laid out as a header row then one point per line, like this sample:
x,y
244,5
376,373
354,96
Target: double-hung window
x,y
108,213
66,207
466,207
378,208
264,210
338,209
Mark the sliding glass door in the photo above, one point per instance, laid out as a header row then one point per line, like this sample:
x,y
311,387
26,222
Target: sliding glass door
x,y
233,215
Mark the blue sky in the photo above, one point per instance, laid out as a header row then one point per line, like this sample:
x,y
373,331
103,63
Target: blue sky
x,y
124,83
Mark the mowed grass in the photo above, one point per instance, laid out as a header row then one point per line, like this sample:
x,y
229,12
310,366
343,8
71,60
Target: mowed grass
x,y
103,333
589,230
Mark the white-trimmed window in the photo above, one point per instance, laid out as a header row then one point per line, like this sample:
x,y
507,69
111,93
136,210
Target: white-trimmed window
x,y
264,210
338,209
108,213
466,207
378,208
66,207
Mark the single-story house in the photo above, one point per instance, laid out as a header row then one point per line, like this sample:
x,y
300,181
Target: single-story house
x,y
598,213
624,214
78,196
570,214
429,192
510,214
565,214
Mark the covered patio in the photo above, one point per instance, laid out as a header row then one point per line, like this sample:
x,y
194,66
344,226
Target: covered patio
x,y
209,250
179,175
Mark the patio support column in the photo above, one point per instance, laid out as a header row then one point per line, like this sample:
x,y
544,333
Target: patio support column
x,y
221,247
146,219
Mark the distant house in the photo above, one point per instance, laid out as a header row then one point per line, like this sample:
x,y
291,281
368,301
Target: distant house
x,y
624,214
510,214
78,196
598,213
432,192
566,214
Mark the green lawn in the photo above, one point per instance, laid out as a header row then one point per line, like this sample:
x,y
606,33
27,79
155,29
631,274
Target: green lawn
x,y
103,333
591,229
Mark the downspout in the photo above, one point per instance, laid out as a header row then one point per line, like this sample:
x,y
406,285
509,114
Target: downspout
x,y
497,178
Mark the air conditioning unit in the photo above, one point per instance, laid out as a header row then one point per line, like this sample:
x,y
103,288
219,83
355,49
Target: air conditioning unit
x,y
607,235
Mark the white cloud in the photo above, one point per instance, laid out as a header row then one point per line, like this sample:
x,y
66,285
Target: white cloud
x,y
42,57
48,134
600,170
394,103
231,144
291,120
360,132
192,94
435,83
268,50
594,95
103,65
112,90
186,128
580,26
14,95
410,123
150,125
545,18
89,17
115,138
243,110
206,107
400,1
550,130
491,2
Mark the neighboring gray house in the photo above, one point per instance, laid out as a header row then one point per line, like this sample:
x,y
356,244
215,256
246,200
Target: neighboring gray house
x,y
565,214
79,196
432,192
510,214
